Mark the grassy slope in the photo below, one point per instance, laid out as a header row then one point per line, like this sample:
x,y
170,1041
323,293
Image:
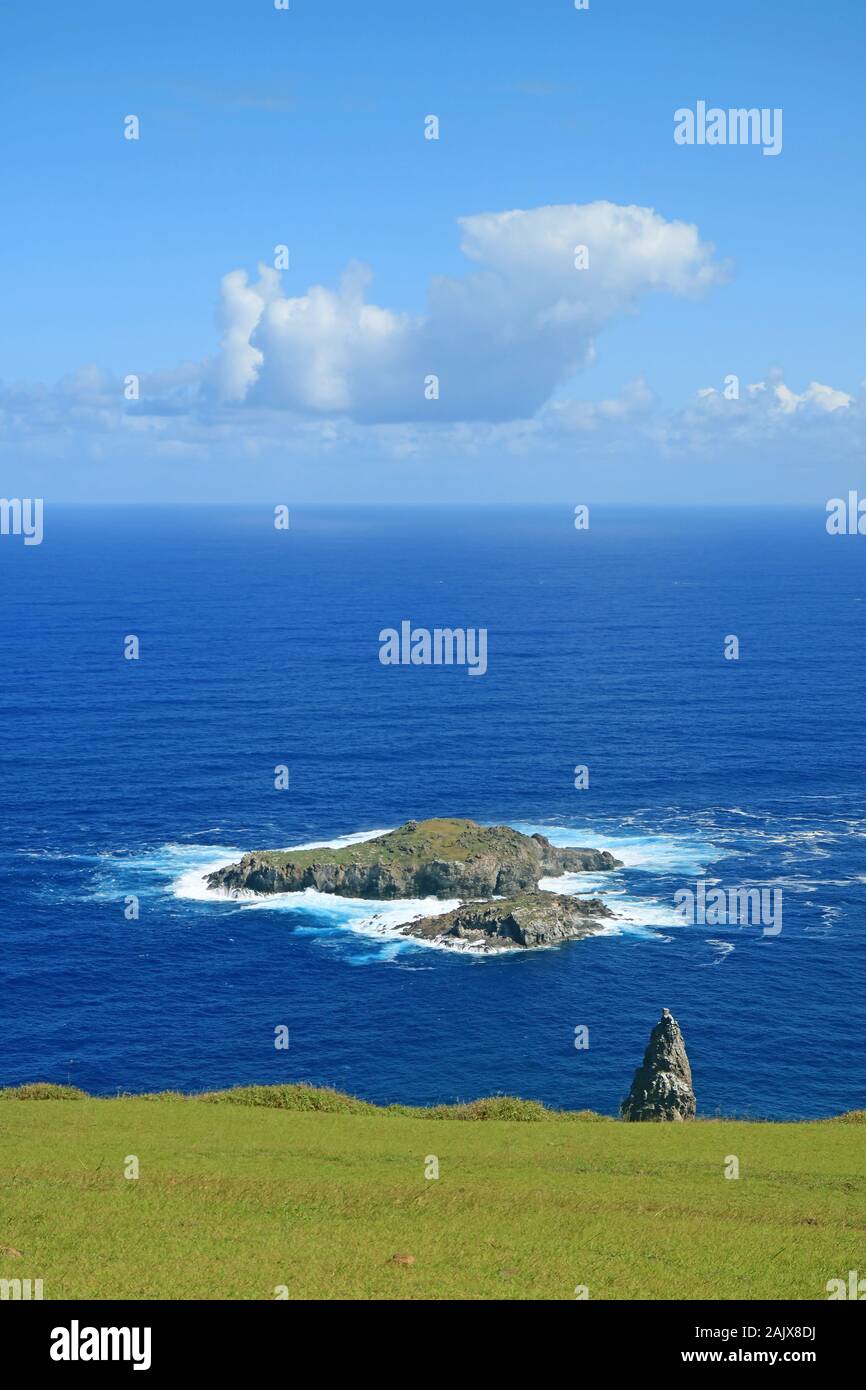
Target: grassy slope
x,y
235,1199
446,839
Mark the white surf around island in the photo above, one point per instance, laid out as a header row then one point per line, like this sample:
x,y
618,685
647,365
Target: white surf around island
x,y
644,915
372,918
193,882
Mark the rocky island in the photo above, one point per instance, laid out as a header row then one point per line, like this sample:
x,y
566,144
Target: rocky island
x,y
443,858
531,919
421,859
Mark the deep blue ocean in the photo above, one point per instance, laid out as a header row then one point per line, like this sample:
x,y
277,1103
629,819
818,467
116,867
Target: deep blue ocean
x,y
260,647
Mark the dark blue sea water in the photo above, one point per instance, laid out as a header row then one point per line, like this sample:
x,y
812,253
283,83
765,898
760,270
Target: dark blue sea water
x,y
260,647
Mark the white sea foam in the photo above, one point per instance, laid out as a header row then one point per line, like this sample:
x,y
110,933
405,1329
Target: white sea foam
x,y
192,883
722,949
178,869
204,860
355,839
643,916
658,854
362,914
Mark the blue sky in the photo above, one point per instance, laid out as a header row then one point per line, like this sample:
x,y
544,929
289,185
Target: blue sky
x,y
306,128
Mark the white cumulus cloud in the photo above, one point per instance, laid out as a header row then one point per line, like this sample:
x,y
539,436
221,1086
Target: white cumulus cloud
x,y
500,339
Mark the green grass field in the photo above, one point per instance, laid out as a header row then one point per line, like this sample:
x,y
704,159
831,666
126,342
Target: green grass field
x,y
237,1196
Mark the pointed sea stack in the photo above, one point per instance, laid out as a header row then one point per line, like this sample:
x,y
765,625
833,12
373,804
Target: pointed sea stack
x,y
662,1086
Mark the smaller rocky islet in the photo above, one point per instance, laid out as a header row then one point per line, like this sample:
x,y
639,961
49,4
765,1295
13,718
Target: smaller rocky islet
x,y
531,919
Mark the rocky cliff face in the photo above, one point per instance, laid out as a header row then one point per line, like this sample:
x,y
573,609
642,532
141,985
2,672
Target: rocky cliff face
x,y
435,858
662,1086
532,919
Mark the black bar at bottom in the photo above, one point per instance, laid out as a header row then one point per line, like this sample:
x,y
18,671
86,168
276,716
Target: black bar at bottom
x,y
81,1338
